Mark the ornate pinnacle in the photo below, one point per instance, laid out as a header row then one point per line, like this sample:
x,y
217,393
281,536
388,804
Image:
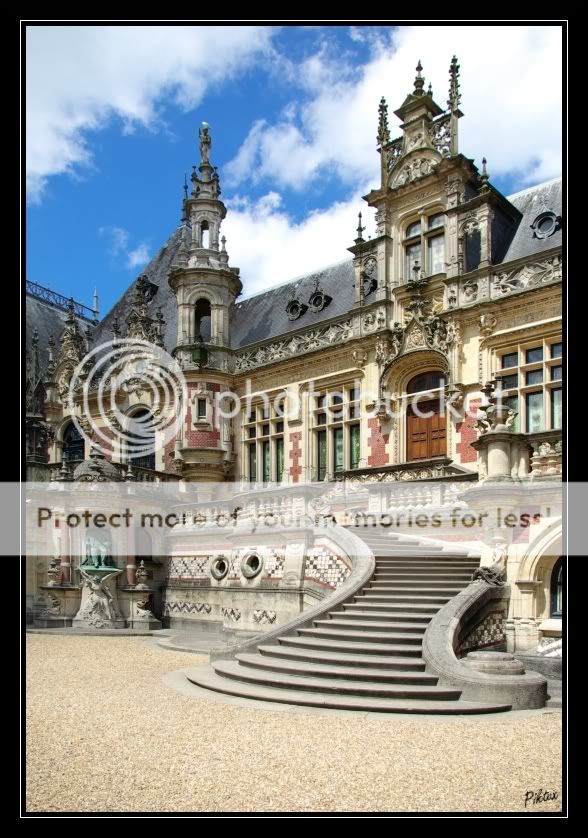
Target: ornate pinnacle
x,y
454,94
360,230
419,82
430,90
383,130
484,177
185,187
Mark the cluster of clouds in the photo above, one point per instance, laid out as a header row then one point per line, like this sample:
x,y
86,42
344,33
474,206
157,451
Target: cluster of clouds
x,y
120,248
511,98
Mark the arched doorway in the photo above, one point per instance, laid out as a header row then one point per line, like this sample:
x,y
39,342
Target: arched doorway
x,y
426,433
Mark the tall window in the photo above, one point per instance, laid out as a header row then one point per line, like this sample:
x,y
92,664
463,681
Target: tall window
x,y
425,243
556,590
337,436
532,377
425,417
264,443
202,319
73,444
141,445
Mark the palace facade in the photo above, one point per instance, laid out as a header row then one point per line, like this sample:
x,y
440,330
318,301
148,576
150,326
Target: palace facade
x,y
456,296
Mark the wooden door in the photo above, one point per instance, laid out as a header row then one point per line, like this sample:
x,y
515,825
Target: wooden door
x,y
426,435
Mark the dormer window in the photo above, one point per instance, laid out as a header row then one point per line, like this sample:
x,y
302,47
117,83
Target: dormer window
x,y
546,224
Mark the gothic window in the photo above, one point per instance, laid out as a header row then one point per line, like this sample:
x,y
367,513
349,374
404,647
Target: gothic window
x,y
337,435
204,234
472,249
264,442
141,440
202,320
556,590
73,444
425,244
531,379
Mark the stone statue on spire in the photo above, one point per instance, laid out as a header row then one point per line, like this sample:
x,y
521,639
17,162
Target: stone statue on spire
x,y
205,143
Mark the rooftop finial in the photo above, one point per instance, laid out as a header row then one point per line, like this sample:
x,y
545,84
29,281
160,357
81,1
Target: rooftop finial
x,y
185,186
419,82
430,90
95,303
383,130
484,177
205,143
360,230
454,94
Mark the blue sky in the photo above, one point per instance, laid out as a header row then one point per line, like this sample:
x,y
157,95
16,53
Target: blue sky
x,y
113,116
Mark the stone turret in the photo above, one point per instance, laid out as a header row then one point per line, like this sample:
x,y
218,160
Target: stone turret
x,y
205,288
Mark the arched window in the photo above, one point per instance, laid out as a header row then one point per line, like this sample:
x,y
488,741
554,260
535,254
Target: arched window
x,y
204,234
202,320
73,444
425,381
141,444
556,589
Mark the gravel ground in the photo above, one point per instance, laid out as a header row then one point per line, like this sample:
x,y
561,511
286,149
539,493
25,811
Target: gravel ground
x,y
105,734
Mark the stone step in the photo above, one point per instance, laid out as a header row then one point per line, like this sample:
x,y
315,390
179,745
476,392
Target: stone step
x,y
389,616
345,659
424,588
206,677
433,561
318,670
379,595
373,625
239,672
354,635
417,609
361,647
417,575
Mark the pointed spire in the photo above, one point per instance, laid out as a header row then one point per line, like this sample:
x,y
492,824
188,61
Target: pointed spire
x,y
454,94
430,90
484,177
419,81
95,304
383,130
360,230
185,186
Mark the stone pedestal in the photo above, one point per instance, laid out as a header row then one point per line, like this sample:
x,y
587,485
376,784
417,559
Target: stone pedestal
x,y
140,614
56,607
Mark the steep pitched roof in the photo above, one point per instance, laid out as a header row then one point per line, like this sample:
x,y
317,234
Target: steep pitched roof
x,y
49,321
531,202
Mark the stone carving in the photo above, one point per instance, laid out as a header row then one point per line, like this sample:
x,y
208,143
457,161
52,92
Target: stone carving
x,y
393,153
493,575
98,609
298,344
415,169
97,553
470,290
231,614
53,608
374,320
360,357
205,143
441,136
487,324
529,276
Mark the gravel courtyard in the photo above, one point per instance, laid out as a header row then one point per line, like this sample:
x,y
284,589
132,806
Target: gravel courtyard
x,y
105,734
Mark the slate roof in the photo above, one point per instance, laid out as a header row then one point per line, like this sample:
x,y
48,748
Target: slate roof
x,y
49,322
263,316
531,202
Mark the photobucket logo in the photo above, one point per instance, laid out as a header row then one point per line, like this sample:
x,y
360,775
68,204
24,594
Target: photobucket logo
x,y
128,395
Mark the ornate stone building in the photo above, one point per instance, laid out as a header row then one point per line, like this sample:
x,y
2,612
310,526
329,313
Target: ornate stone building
x,y
456,296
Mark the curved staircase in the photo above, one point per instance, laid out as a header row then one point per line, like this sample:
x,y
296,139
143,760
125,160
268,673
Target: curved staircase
x,y
366,655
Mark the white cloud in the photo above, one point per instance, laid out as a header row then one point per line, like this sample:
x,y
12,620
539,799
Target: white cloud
x,y
511,98
139,256
119,247
79,77
270,247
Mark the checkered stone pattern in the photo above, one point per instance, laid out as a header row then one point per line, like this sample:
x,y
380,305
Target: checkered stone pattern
x,y
262,617
196,567
490,632
274,565
187,608
231,615
324,566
